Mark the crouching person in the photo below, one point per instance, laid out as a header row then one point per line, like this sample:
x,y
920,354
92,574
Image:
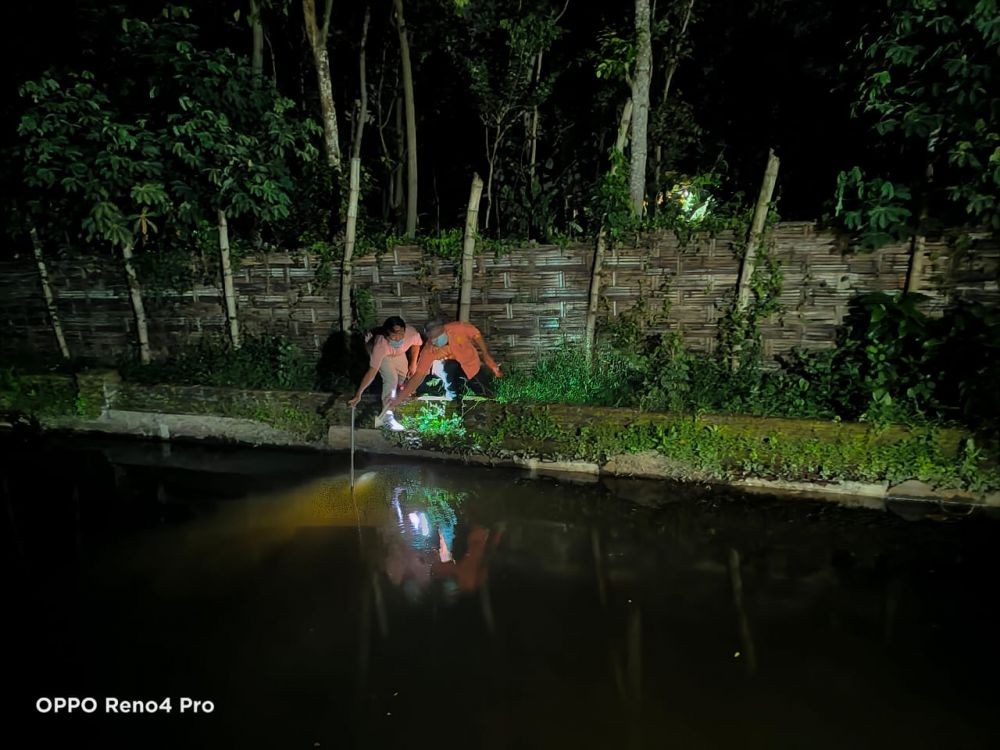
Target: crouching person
x,y
452,352
395,349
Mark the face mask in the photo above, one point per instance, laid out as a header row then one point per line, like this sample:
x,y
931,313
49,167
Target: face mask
x,y
395,344
440,340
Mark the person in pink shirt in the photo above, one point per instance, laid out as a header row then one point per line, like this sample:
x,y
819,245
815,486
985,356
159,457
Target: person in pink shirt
x,y
394,355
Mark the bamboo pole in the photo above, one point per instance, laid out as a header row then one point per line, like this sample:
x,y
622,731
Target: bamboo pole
x,y
602,242
468,247
228,290
757,229
350,239
50,301
135,293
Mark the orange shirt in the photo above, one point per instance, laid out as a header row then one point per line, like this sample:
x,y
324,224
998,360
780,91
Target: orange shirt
x,y
459,347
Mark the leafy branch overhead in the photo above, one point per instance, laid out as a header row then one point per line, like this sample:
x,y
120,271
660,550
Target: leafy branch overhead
x,y
929,93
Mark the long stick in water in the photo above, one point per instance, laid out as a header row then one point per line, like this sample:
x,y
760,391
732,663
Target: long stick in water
x,y
352,450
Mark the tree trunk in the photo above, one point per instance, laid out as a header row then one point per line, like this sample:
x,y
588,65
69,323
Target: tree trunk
x,y
533,135
350,238
640,104
321,58
135,293
757,229
602,241
50,302
491,158
468,247
398,188
257,26
228,290
363,87
354,195
672,64
674,61
411,122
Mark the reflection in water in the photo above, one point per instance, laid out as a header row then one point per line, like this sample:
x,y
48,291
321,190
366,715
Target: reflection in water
x,y
541,613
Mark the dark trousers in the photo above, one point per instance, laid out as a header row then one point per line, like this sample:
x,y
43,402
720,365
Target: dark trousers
x,y
456,384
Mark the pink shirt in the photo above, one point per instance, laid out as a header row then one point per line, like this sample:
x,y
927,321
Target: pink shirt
x,y
381,349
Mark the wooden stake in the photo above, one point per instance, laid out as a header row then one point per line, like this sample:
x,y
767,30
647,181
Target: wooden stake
x,y
228,290
757,229
50,301
350,238
135,292
469,247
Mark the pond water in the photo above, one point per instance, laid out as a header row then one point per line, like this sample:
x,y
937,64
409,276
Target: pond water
x,y
457,606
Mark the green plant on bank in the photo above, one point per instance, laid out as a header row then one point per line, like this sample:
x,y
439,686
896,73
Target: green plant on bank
x,y
85,407
306,424
521,426
702,450
565,377
42,395
261,363
722,452
436,428
892,363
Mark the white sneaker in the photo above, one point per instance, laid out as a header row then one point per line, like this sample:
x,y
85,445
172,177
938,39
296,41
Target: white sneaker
x,y
388,420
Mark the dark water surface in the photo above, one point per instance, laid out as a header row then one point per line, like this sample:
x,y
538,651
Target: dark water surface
x,y
461,607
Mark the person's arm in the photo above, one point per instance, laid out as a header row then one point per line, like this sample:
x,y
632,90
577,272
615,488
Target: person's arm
x,y
423,367
365,382
414,354
480,343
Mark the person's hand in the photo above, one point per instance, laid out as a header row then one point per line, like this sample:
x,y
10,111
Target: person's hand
x,y
411,371
354,401
495,368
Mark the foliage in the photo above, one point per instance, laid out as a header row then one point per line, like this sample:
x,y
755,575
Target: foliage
x,y
446,244
929,88
306,424
725,452
158,151
520,426
892,363
565,377
261,363
436,428
25,392
882,359
878,211
86,160
499,45
739,327
699,449
364,308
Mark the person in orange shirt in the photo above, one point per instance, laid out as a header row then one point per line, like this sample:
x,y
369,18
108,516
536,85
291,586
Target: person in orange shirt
x,y
449,343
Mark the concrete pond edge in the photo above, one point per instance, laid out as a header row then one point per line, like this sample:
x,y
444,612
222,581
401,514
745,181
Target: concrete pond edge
x,y
208,428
